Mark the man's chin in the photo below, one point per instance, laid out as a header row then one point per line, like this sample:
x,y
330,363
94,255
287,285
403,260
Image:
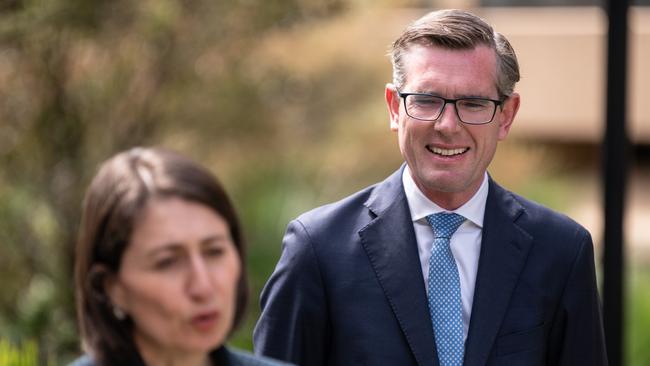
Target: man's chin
x,y
445,182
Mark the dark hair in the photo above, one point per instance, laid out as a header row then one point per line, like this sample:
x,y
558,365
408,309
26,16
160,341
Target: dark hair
x,y
111,208
457,29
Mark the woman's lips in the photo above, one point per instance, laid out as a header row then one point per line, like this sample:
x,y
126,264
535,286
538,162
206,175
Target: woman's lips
x,y
205,321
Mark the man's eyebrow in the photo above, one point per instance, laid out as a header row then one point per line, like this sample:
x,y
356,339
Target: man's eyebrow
x,y
456,96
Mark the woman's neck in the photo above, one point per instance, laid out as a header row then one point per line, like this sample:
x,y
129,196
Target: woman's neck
x,y
175,360
156,356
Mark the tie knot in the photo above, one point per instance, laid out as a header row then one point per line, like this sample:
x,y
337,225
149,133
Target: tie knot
x,y
445,224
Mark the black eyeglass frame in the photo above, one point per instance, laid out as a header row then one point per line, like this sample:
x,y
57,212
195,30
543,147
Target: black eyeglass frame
x,y
497,103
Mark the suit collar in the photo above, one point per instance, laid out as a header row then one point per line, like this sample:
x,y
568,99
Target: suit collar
x,y
389,241
504,250
421,206
386,193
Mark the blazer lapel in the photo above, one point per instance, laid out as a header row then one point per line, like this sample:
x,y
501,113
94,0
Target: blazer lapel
x,y
389,241
504,249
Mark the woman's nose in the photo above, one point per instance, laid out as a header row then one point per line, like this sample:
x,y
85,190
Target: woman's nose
x,y
200,281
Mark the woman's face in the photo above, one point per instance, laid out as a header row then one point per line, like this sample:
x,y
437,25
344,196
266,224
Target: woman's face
x,y
178,278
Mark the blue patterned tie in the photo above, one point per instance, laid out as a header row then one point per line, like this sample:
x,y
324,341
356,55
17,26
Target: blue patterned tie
x,y
445,304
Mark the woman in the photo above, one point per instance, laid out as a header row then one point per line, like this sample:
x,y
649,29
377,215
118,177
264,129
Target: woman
x,y
160,276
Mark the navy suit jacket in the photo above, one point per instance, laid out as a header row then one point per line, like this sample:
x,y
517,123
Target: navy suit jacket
x,y
348,288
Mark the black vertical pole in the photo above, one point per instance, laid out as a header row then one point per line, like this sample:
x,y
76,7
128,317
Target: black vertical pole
x,y
615,153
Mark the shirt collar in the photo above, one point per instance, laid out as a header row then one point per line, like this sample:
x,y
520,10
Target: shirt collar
x,y
420,206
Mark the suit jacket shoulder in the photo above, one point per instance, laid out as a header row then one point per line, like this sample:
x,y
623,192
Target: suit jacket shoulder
x,y
347,289
553,230
535,213
353,212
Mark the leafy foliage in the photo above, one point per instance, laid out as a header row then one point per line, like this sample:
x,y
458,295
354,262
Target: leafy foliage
x,y
83,79
637,320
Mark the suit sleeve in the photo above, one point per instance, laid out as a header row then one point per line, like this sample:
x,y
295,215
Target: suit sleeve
x,y
293,324
578,326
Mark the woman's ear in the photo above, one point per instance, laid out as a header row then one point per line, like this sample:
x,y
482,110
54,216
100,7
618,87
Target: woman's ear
x,y
114,291
95,282
104,285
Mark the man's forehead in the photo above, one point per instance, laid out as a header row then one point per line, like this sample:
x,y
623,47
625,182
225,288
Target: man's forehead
x,y
431,56
459,72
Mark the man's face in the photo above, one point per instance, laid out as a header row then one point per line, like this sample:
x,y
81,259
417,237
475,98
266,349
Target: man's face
x,y
448,158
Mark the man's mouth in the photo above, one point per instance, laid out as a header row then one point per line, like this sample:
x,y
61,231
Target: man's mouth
x,y
447,152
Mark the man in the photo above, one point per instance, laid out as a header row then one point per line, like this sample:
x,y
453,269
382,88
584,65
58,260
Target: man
x,y
437,264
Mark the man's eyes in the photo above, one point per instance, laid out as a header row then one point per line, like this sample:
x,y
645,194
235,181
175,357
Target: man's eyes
x,y
474,103
424,100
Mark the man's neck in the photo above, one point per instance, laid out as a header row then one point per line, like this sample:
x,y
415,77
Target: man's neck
x,y
450,200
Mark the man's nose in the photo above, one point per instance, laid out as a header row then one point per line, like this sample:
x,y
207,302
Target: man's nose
x,y
448,119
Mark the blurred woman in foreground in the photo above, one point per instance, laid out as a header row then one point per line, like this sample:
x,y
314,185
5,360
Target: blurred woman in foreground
x,y
160,276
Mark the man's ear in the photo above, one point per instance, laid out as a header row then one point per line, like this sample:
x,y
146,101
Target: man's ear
x,y
392,102
509,110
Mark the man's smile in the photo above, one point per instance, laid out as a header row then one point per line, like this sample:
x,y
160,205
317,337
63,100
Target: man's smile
x,y
447,152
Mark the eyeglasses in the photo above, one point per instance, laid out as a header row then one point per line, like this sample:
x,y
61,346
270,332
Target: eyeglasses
x,y
429,107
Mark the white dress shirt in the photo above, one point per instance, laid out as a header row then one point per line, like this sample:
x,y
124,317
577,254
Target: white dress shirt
x,y
465,242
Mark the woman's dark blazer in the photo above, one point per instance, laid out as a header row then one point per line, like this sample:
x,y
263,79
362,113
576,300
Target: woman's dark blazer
x,y
221,357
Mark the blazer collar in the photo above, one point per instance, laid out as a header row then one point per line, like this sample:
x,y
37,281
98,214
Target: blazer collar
x,y
389,241
504,250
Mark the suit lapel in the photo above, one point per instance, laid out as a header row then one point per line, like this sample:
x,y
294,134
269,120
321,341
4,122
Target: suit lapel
x,y
389,241
504,249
